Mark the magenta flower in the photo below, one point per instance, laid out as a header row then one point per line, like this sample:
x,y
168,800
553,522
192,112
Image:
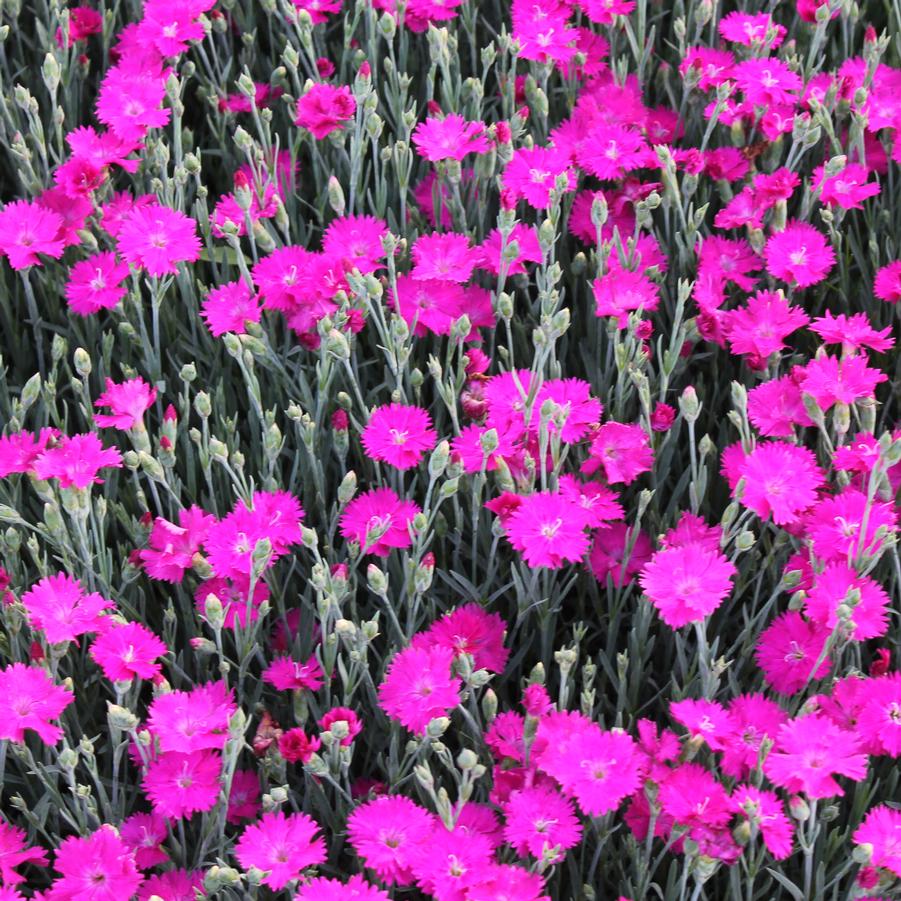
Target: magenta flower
x,y
128,651
130,102
157,238
357,240
419,687
549,529
469,630
829,380
539,819
868,611
99,867
879,831
75,460
379,521
172,547
284,845
497,254
399,435
173,885
128,401
188,721
761,327
776,407
286,674
879,721
324,109
96,284
28,229
622,450
228,307
887,284
179,785
750,30
532,174
60,608
19,450
29,699
788,651
444,256
799,254
449,138
765,811
611,554
14,851
384,831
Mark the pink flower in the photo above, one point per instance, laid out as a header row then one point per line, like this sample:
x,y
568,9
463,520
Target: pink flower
x,y
173,885
469,630
776,407
449,138
611,150
781,480
96,284
19,450
433,305
323,889
620,292
342,715
446,257
272,515
419,687
839,586
829,380
539,819
28,229
611,554
126,651
879,721
169,27
532,174
128,402
729,260
847,188
450,861
97,868
834,526
188,721
75,461
228,307
244,796
879,831
887,284
179,785
157,238
754,717
130,102
603,11
752,30
399,435
687,583
285,845
788,651
172,547
356,240
59,607
599,502
693,797
809,752
799,254
384,831
548,529
29,699
14,851
763,810
705,720
497,254
144,833
852,332
767,82
622,450
286,674
83,22
295,745
760,328
325,108
379,521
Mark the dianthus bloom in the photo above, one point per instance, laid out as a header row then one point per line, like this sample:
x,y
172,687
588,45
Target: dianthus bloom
x,y
178,785
761,327
172,547
96,868
879,721
14,851
887,284
355,889
449,138
325,108
398,434
286,674
228,307
532,174
130,102
75,461
296,746
687,583
789,650
444,256
357,240
28,229
799,255
96,284
419,687
157,238
599,769
881,830
384,831
809,752
29,699
868,610
764,810
780,479
620,292
126,651
829,380
469,630
274,516
539,819
60,608
548,529
128,401
195,720
622,450
173,885
379,521
285,845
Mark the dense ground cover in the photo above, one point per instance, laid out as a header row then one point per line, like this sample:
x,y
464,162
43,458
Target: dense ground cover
x,y
449,450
